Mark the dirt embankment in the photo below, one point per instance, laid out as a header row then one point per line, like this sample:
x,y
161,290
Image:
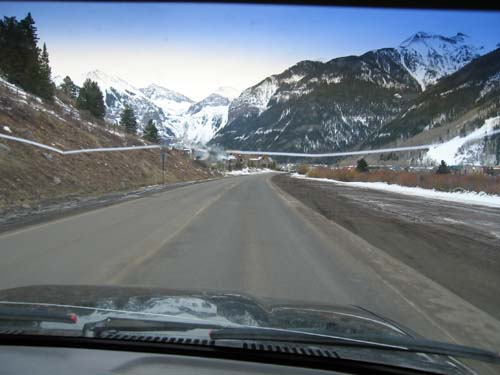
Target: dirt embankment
x,y
30,176
448,243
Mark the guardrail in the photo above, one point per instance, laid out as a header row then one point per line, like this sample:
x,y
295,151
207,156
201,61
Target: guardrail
x,y
327,155
470,139
81,151
242,152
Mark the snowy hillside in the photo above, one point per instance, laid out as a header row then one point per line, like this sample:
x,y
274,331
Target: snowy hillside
x,y
429,57
173,105
469,149
169,101
203,119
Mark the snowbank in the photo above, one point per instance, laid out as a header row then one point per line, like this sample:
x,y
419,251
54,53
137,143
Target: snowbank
x,y
468,197
248,171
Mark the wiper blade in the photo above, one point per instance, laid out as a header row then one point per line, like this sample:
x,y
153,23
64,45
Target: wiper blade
x,y
13,314
223,332
381,343
94,329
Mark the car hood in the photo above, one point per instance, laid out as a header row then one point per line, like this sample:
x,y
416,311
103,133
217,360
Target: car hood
x,y
96,303
216,307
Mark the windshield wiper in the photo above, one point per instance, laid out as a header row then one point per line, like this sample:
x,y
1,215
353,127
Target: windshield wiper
x,y
223,332
382,343
94,329
15,314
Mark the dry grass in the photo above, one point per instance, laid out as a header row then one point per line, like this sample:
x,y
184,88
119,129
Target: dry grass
x,y
302,169
441,182
30,176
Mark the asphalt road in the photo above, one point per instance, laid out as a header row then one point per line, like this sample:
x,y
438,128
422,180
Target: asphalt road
x,y
240,234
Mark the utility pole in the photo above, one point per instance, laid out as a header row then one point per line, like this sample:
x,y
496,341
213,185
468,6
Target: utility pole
x,y
163,167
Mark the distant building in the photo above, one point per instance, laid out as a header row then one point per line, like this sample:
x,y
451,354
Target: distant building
x,y
240,161
263,161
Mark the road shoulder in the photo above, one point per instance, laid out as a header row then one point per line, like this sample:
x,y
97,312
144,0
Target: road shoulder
x,y
59,209
456,319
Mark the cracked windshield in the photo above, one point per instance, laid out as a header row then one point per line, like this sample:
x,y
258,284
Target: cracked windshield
x,y
308,175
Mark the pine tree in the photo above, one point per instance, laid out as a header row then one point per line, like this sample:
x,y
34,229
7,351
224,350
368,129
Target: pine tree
x,y
443,168
12,50
30,55
90,98
151,132
21,61
362,165
69,87
28,26
128,120
45,86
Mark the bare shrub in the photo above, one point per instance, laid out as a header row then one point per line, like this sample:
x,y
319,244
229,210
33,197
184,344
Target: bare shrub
x,y
426,180
302,169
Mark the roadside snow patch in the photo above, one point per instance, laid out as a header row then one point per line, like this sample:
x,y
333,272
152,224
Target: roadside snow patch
x,y
7,129
467,197
248,171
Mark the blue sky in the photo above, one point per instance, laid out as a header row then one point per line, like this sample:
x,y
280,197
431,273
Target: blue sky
x,y
194,48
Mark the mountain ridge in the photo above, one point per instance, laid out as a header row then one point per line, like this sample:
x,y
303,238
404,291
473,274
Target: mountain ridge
x,y
176,115
333,106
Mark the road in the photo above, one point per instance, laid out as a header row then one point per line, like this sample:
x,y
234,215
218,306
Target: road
x,y
240,234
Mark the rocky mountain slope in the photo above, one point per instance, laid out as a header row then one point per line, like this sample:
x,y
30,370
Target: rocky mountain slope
x,y
314,106
333,106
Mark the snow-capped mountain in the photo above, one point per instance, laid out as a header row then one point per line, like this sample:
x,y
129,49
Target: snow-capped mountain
x,y
193,122
118,93
429,57
169,101
203,119
227,92
173,104
316,106
176,115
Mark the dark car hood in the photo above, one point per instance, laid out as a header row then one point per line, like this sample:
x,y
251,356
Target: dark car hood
x,y
221,307
96,303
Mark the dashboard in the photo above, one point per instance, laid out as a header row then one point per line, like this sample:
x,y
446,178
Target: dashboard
x,y
54,361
